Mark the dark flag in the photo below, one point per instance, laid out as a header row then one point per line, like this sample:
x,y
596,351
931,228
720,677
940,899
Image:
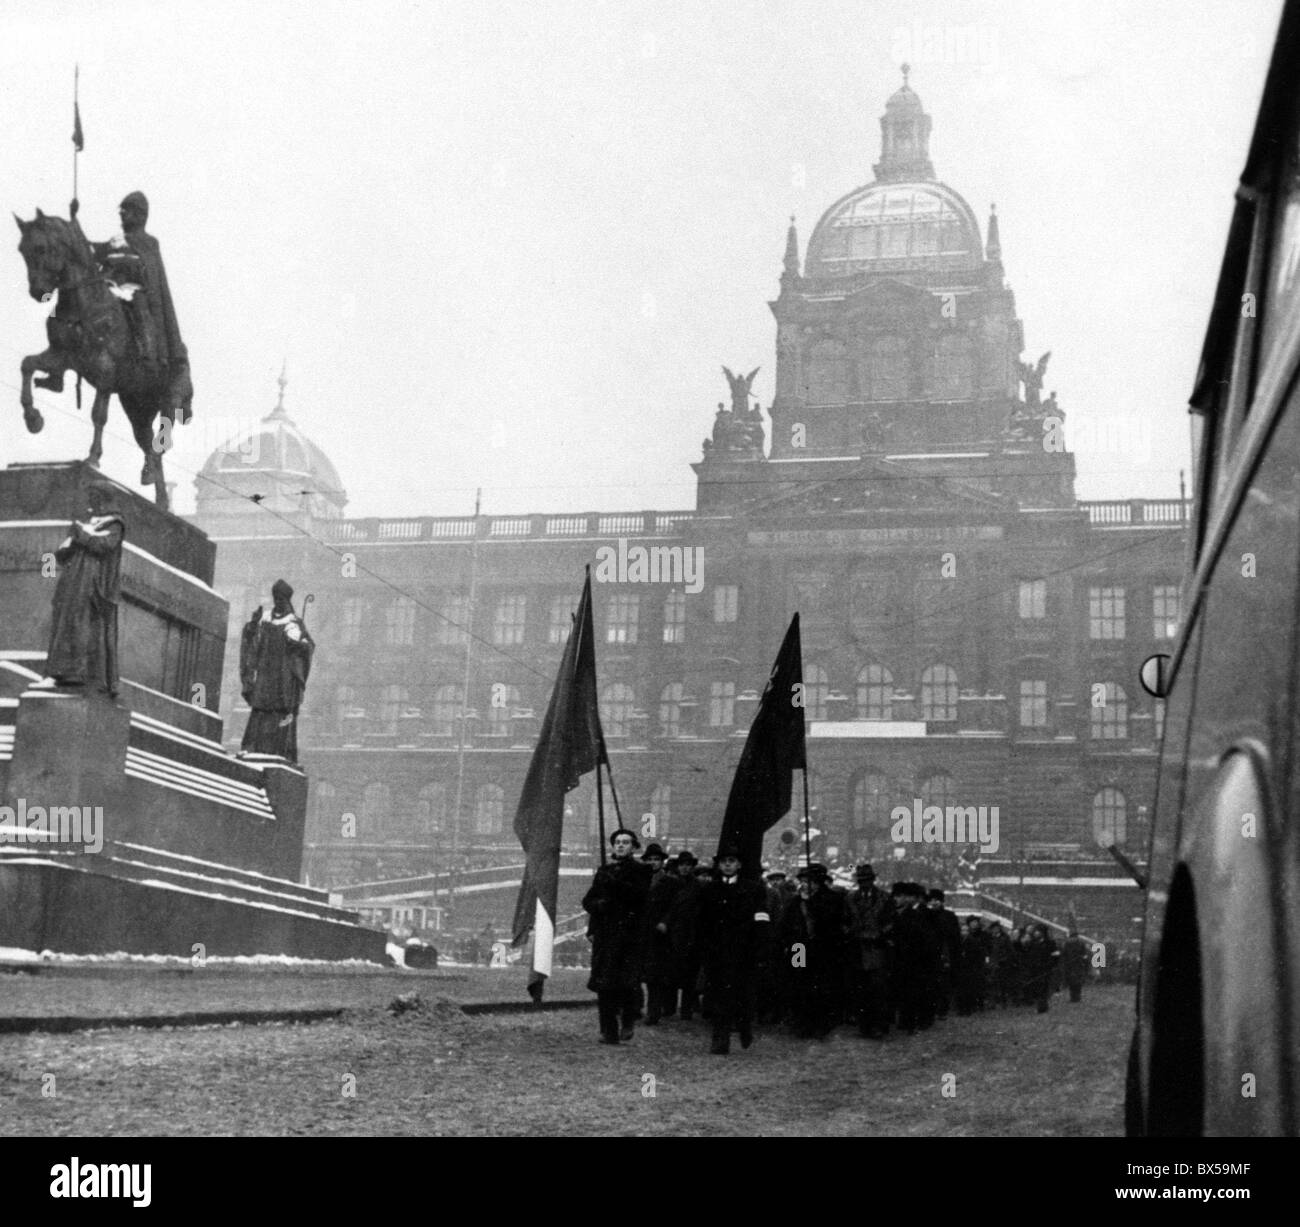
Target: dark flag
x,y
78,140
763,785
570,744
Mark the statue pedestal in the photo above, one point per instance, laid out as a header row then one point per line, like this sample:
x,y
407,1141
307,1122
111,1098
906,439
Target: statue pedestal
x,y
164,841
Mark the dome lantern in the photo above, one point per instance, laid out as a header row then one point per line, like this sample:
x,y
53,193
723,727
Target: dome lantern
x,y
904,138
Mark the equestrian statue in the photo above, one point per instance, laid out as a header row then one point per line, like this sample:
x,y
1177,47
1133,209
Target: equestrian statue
x,y
113,325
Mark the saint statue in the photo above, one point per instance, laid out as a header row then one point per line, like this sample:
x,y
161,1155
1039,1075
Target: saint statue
x,y
275,653
83,636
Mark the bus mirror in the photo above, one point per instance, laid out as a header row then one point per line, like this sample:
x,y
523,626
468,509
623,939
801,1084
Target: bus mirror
x,y
1154,675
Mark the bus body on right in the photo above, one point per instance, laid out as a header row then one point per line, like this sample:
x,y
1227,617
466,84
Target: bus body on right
x,y
1217,1041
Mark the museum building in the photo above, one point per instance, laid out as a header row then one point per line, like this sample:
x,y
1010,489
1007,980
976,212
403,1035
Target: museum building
x,y
972,632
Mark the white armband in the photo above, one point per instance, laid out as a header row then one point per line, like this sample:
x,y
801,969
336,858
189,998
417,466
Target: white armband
x,y
761,916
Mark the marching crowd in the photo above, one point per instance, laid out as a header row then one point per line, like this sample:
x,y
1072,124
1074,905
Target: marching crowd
x,y
672,937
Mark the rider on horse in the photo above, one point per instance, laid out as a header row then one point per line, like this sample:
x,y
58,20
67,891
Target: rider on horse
x,y
134,266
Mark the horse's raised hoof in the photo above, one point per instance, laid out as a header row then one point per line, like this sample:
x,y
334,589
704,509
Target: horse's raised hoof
x,y
35,423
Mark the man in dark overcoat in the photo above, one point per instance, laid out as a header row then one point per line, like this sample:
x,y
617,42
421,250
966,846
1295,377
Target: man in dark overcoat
x,y
733,922
661,991
870,922
616,903
813,933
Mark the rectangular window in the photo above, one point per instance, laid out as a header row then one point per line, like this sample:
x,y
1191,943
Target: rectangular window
x,y
453,624
1106,613
675,618
557,630
508,621
1165,611
400,622
1033,703
726,602
353,615
1033,599
722,703
621,614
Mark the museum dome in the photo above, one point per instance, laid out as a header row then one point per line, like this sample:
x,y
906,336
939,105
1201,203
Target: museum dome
x,y
275,465
905,217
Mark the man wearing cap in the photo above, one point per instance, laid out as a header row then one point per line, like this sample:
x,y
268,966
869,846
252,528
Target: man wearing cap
x,y
733,919
813,937
870,926
916,958
275,654
616,903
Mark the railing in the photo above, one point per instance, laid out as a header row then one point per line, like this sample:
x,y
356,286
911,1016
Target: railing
x,y
1162,511
444,528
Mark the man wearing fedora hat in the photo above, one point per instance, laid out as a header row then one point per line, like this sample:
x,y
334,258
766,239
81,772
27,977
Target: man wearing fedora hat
x,y
616,903
870,927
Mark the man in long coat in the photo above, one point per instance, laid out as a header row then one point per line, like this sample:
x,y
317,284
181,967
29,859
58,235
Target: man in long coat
x,y
1074,964
870,919
813,931
275,653
616,903
83,632
733,922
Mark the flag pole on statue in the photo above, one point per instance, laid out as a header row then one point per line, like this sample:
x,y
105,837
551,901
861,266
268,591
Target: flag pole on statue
x,y
569,745
78,138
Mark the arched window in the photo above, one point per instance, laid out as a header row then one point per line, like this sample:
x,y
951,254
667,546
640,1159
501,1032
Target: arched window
x,y
670,711
503,701
376,809
489,809
326,815
616,709
446,710
828,374
890,378
938,789
431,810
872,797
816,687
722,704
661,806
1109,711
953,368
1109,817
875,693
939,693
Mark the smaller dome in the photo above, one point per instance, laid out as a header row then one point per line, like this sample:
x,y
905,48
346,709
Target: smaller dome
x,y
904,101
275,465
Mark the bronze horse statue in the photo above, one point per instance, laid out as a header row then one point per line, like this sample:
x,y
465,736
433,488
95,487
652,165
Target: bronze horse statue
x,y
89,334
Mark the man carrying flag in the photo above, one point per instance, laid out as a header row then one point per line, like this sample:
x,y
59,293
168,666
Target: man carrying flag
x,y
617,903
762,788
570,744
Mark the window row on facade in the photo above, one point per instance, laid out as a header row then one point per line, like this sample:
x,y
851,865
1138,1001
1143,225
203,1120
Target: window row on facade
x,y
389,814
877,696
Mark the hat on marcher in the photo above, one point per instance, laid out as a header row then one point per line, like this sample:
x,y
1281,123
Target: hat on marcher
x,y
774,875
865,870
935,893
729,850
613,835
687,858
653,850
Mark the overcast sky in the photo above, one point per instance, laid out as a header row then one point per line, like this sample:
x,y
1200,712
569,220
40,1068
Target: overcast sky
x,y
509,245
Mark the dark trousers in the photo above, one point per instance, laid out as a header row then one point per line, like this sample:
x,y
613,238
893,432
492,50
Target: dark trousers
x,y
661,1001
1076,992
617,1006
733,1010
871,1001
690,988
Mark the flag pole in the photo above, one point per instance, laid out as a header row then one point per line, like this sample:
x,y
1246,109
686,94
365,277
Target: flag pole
x,y
600,810
807,825
76,132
